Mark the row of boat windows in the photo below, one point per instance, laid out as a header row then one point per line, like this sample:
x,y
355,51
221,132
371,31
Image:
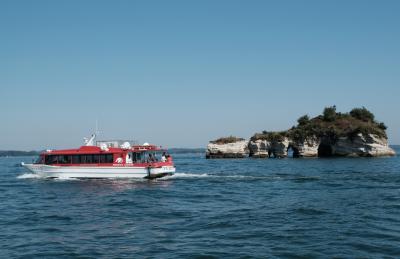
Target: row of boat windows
x,y
79,159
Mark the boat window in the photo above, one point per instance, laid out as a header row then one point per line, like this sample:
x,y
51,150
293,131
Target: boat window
x,y
47,160
89,159
149,157
96,159
157,156
106,159
60,160
76,159
109,158
102,159
39,160
138,157
143,157
82,159
64,159
51,160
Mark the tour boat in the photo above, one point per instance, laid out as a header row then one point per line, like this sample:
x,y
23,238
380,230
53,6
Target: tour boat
x,y
104,159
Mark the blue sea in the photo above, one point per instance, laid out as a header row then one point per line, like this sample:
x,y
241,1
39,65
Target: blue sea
x,y
283,208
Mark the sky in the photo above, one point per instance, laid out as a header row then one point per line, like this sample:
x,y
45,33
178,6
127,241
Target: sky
x,y
181,73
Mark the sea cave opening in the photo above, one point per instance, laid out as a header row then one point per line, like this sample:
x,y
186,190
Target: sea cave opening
x,y
325,150
293,152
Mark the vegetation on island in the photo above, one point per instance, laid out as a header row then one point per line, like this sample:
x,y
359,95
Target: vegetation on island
x,y
270,136
330,125
227,140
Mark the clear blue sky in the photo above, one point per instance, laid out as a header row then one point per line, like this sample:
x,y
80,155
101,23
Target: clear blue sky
x,y
179,73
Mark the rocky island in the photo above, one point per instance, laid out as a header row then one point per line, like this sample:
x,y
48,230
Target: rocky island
x,y
353,134
229,147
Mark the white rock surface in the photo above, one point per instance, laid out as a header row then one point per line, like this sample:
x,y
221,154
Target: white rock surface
x,y
279,148
308,148
364,146
262,148
230,150
259,148
370,145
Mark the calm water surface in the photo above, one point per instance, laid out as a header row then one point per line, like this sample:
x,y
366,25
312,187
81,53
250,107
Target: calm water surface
x,y
290,208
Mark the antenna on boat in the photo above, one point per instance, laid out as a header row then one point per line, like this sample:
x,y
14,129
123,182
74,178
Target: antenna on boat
x,y
97,127
90,141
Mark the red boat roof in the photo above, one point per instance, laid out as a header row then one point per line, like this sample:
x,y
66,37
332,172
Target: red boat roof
x,y
98,150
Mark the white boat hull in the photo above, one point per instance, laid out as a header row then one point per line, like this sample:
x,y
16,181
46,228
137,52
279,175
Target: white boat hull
x,y
48,171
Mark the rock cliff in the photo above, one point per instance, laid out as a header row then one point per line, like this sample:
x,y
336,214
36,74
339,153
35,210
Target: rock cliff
x,y
306,148
356,133
228,148
364,146
269,144
259,148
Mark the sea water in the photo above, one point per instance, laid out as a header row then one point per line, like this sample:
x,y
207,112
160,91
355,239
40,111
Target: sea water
x,y
290,208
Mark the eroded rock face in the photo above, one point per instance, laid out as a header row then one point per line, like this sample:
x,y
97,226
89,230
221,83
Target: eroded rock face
x,y
358,146
279,148
259,148
230,150
364,146
306,148
262,148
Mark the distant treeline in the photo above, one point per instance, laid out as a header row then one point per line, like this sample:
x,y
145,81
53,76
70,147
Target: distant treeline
x,y
18,153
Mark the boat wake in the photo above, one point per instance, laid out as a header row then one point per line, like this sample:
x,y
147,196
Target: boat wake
x,y
235,177
183,176
188,176
215,176
29,176
37,176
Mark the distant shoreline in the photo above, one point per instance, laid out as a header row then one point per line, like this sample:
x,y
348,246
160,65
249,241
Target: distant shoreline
x,y
8,153
13,153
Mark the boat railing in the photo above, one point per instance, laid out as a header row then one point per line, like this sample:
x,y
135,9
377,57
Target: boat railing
x,y
116,143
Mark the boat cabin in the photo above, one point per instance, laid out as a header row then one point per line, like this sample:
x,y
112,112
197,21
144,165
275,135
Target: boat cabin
x,y
90,155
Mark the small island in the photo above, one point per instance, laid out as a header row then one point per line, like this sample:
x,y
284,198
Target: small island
x,y
331,134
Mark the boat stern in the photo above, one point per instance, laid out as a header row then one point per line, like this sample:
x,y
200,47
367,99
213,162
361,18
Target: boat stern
x,y
158,172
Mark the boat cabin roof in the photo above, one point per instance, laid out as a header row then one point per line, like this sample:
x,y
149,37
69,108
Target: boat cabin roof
x,y
98,150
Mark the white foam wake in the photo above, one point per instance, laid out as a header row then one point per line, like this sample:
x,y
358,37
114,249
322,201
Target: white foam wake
x,y
63,178
204,175
37,176
186,175
29,176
